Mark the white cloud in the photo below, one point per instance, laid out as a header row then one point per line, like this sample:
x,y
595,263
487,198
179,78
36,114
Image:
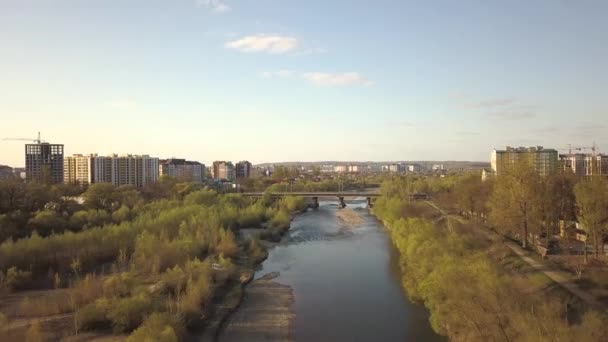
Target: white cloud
x,y
217,6
274,44
334,79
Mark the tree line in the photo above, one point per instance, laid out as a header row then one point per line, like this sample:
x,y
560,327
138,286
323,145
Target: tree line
x,y
149,261
466,281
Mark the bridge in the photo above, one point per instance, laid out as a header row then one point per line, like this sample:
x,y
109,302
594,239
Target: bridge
x,y
315,196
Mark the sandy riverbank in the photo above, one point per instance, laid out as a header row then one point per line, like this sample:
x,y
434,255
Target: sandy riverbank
x,y
264,315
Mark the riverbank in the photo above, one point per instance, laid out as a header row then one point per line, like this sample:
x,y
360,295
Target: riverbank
x,y
264,315
274,297
477,287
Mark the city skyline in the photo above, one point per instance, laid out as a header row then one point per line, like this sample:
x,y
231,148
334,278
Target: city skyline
x,y
275,81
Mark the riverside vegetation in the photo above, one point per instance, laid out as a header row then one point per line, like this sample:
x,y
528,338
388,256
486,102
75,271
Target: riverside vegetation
x,y
474,287
152,263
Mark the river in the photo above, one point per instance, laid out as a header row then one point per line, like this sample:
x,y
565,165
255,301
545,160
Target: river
x,y
345,280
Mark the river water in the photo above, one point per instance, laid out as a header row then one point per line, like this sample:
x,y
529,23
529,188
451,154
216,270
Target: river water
x,y
345,280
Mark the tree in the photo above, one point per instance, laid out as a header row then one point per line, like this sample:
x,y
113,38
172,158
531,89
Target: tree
x,y
515,201
557,202
592,214
99,196
46,222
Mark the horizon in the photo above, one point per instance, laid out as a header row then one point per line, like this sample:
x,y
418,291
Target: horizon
x,y
265,80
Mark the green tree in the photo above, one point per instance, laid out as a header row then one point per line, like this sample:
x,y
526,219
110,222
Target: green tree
x,y
46,222
592,203
99,196
515,201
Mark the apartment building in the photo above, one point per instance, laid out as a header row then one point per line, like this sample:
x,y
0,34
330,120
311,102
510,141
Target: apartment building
x,y
243,169
6,172
583,164
78,169
223,170
544,161
187,171
119,170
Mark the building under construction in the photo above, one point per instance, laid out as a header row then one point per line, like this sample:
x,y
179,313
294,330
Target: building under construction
x,y
44,162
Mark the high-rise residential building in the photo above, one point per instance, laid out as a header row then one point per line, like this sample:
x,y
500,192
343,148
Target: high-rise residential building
x,y
341,168
135,170
119,170
243,169
44,162
78,169
188,171
6,172
544,161
582,164
104,169
223,170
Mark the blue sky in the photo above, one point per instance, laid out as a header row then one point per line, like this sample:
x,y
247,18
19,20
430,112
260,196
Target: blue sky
x,y
285,80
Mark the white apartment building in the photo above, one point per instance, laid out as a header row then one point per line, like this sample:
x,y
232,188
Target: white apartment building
x,y
133,170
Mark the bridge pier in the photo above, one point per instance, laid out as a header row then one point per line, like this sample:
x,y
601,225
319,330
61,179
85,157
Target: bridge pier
x,y
369,202
342,203
315,202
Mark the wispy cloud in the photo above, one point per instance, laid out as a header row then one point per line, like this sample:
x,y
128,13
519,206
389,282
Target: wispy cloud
x,y
501,108
216,6
280,73
320,78
491,103
512,114
269,43
335,79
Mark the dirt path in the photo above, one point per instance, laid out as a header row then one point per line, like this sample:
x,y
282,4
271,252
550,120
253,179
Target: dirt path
x,y
264,315
561,278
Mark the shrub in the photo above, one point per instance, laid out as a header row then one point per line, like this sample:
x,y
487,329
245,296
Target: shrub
x,y
256,251
128,313
118,285
93,316
197,295
280,220
160,327
16,279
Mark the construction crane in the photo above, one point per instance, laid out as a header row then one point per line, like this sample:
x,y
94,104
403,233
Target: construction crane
x,y
594,149
37,141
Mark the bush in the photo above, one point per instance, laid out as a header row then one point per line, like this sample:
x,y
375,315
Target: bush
x,y
256,251
159,327
118,285
93,316
16,279
128,313
198,294
280,220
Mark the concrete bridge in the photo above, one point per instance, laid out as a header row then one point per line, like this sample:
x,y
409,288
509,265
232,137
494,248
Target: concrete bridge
x,y
314,196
